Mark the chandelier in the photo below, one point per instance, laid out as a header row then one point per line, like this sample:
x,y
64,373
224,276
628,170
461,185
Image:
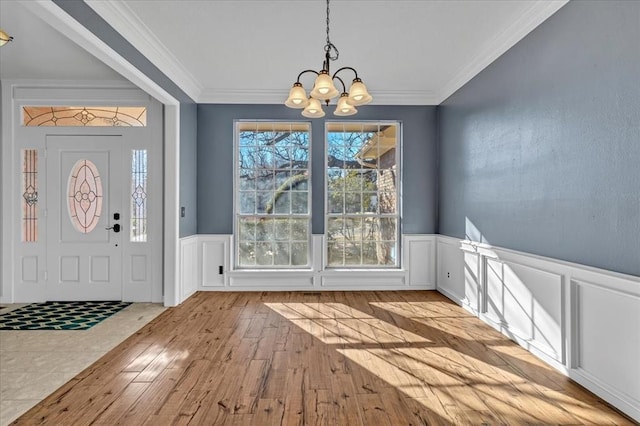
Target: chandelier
x,y
324,89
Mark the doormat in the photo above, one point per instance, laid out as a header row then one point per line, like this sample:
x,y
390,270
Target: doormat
x,y
59,315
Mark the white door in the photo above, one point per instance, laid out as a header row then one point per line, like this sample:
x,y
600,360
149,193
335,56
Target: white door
x,y
86,221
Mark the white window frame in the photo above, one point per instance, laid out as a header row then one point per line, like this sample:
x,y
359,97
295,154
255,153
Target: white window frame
x,y
398,215
236,192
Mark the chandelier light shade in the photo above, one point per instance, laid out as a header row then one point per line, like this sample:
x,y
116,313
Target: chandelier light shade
x,y
358,94
297,97
324,88
343,108
4,38
314,109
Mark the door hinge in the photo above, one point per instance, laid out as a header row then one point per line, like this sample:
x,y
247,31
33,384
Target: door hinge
x,y
46,275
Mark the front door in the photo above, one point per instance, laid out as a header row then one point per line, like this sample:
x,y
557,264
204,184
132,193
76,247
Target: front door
x,y
85,216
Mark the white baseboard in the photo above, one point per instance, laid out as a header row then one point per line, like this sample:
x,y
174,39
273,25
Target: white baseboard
x,y
583,321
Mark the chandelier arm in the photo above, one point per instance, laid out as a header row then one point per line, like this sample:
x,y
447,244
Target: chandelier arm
x,y
344,88
304,72
345,68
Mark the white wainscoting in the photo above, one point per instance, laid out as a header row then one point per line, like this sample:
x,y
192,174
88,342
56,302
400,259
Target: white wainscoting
x,y
583,321
189,277
204,256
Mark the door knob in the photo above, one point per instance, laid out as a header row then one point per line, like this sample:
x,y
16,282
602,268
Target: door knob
x,y
116,227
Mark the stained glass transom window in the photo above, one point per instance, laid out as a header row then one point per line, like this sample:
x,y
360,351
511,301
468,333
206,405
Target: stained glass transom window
x,y
72,116
138,195
29,195
85,196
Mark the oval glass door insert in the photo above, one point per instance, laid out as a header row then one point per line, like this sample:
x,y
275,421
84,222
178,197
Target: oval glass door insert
x,y
85,196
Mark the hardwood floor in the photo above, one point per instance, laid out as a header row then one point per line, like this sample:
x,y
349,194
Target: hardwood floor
x,y
333,358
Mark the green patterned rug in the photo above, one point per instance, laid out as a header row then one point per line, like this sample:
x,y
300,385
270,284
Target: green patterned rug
x,y
59,315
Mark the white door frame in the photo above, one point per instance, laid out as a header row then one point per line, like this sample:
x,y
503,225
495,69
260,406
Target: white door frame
x,y
19,258
56,17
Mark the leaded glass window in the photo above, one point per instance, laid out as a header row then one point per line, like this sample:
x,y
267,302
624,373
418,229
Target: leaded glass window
x,y
138,195
73,116
85,196
29,195
362,183
273,195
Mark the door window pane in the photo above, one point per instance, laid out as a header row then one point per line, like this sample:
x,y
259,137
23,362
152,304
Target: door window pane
x,y
85,196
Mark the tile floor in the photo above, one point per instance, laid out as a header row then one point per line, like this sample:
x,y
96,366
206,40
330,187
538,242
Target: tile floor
x,y
35,363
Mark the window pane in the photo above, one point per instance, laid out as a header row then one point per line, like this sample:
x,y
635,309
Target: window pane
x,y
362,194
29,195
138,195
299,230
299,254
247,254
247,202
85,196
272,176
86,116
300,202
247,229
264,254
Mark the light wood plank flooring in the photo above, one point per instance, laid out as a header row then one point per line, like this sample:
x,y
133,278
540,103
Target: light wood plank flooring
x,y
335,358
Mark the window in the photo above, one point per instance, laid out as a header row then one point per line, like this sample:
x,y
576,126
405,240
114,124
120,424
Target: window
x,y
273,195
138,228
30,195
362,194
73,116
85,196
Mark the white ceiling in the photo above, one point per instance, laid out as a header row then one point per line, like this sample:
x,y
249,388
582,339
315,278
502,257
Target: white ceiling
x,y
251,51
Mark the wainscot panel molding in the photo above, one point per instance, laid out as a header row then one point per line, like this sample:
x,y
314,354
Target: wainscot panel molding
x,y
210,268
213,260
419,260
189,278
583,321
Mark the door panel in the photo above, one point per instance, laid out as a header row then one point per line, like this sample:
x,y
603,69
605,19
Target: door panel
x,y
84,256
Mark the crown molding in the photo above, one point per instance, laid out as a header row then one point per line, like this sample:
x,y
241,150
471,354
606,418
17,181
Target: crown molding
x,y
495,47
242,96
131,27
404,97
273,96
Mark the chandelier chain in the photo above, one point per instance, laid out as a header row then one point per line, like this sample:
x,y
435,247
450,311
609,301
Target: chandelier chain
x,y
330,49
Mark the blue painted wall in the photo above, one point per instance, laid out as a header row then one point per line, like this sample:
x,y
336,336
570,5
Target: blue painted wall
x,y
188,172
215,162
541,151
